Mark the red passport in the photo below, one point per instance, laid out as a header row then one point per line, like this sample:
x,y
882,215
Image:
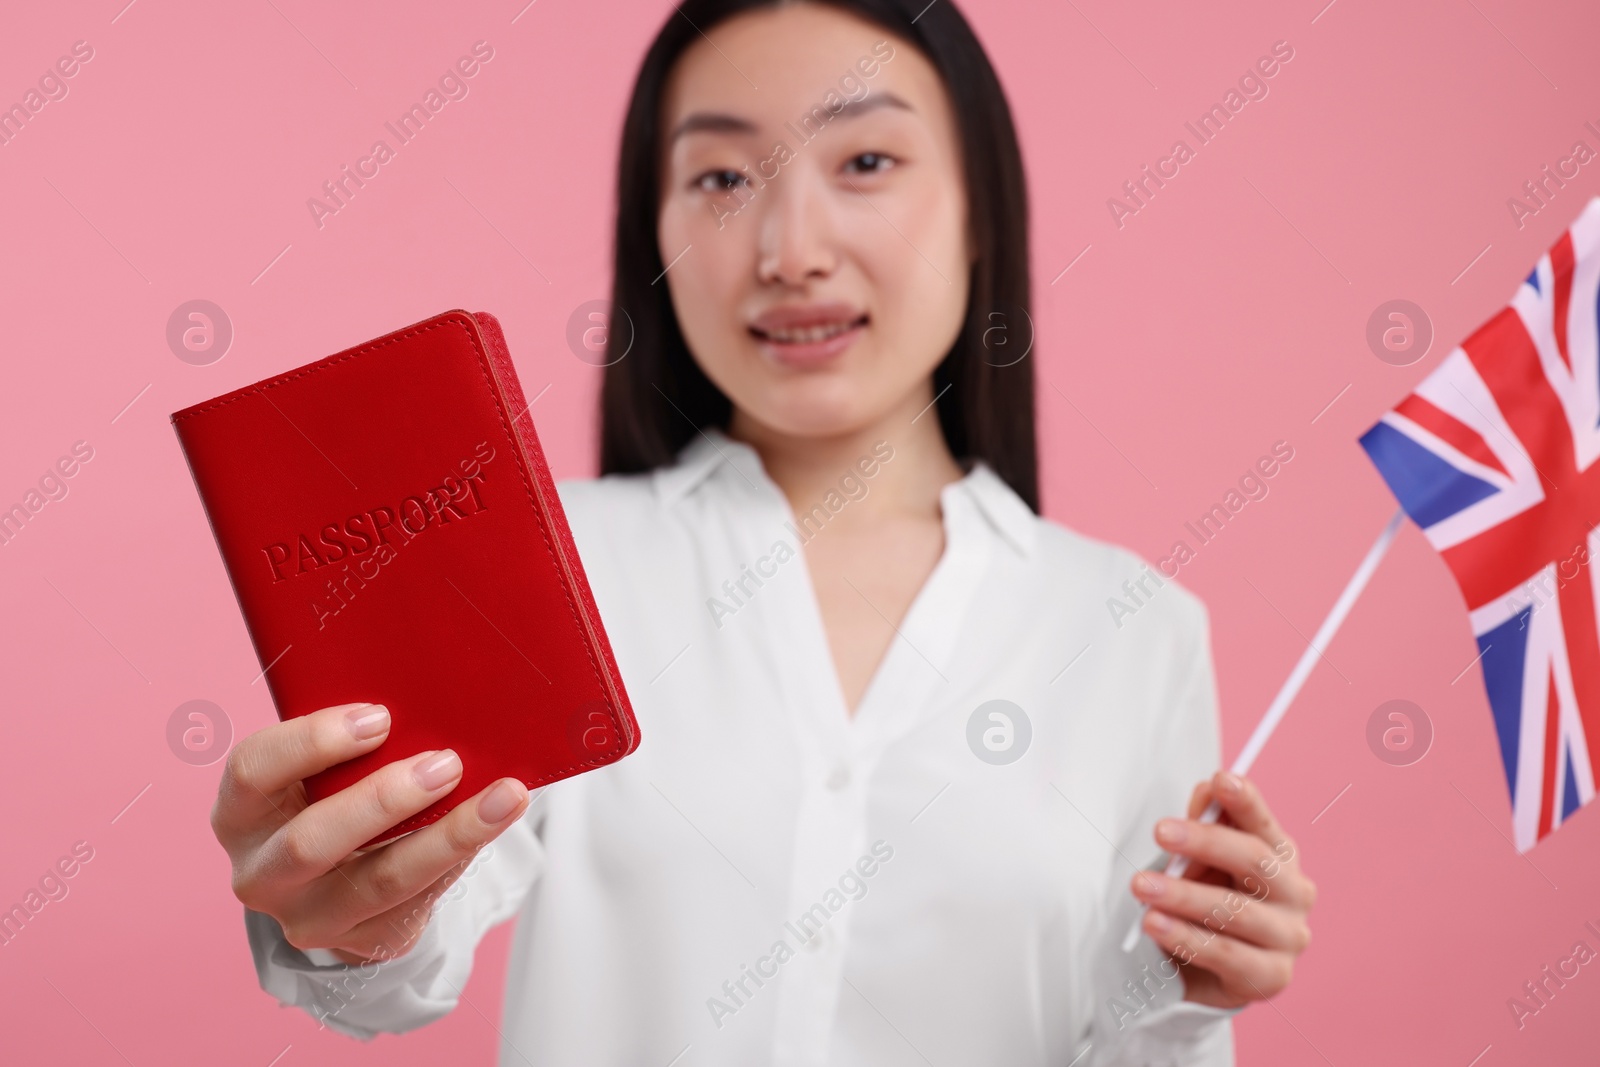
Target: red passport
x,y
393,535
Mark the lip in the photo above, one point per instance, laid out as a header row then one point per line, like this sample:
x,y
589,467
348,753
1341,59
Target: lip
x,y
807,316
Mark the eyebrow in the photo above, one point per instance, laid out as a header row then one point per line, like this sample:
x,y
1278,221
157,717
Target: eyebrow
x,y
722,122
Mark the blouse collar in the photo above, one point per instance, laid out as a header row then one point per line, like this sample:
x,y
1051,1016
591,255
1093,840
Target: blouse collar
x,y
714,452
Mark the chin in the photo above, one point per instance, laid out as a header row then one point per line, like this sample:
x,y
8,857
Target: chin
x,y
817,408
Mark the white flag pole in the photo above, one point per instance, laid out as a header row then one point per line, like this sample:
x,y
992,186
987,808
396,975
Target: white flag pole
x,y
1291,688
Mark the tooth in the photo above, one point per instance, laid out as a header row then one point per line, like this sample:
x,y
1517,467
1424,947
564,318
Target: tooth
x,y
808,334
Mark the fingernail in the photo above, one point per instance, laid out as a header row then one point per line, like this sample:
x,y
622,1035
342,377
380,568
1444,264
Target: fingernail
x,y
1151,884
438,770
499,802
1158,922
1171,832
367,721
1231,783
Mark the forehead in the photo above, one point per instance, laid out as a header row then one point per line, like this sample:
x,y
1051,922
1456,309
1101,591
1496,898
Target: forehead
x,y
774,64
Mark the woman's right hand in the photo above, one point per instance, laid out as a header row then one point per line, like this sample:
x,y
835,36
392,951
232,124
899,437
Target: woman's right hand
x,y
294,860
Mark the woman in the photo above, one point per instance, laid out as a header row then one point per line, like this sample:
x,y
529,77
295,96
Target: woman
x,y
900,770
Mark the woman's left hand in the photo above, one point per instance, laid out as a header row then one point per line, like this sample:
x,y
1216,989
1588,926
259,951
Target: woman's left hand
x,y
1236,920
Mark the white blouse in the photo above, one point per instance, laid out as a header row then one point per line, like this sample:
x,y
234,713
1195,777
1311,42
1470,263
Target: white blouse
x,y
938,879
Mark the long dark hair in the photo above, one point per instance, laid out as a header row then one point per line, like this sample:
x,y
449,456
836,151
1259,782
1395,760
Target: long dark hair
x,y
654,400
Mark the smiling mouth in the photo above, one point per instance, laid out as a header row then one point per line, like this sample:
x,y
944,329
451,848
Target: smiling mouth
x,y
802,335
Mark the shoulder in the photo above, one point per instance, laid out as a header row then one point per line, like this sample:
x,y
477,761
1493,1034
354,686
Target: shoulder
x,y
626,521
1132,596
1147,668
610,495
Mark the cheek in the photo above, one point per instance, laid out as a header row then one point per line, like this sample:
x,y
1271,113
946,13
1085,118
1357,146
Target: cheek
x,y
677,225
934,216
920,279
699,252
706,282
926,206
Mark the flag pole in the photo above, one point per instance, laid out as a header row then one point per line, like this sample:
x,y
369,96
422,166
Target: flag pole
x,y
1291,688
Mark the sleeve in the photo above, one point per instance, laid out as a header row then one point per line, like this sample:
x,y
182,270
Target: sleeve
x,y
393,996
1141,1018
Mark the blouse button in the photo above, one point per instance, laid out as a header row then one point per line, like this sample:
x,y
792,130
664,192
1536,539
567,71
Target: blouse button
x,y
822,939
839,778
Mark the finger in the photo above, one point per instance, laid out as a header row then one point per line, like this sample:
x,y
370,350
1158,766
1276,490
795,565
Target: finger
x,y
270,760
1245,969
326,833
379,880
379,938
1199,799
1242,801
1218,908
391,934
1249,859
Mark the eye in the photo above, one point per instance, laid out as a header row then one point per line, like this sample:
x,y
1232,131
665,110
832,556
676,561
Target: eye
x,y
718,181
869,163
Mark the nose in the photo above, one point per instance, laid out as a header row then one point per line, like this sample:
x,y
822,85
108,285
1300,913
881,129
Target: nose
x,y
797,229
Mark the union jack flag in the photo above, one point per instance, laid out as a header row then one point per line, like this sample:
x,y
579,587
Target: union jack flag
x,y
1494,457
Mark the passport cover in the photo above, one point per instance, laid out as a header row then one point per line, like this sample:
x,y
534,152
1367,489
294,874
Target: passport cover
x,y
393,535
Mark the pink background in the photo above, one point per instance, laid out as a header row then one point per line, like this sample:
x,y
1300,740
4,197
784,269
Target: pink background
x,y
1223,317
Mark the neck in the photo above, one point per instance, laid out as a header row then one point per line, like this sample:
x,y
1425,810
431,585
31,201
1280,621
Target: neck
x,y
807,468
